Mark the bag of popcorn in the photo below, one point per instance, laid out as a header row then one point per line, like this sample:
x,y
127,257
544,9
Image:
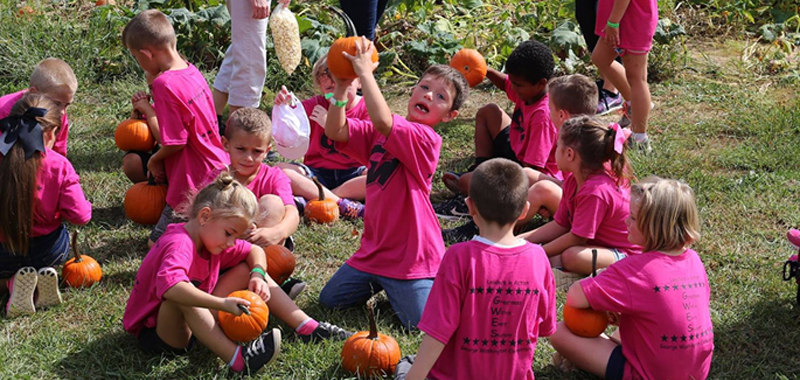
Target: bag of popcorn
x,y
286,37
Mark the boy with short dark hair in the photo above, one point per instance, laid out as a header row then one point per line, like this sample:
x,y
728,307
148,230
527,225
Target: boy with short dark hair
x,y
493,297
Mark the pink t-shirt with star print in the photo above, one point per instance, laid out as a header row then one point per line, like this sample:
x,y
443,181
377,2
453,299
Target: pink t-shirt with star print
x,y
489,305
665,318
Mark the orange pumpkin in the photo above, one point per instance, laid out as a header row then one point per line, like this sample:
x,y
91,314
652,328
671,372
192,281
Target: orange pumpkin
x,y
588,323
26,10
471,64
280,263
81,271
145,201
370,353
134,134
252,322
338,64
100,3
321,210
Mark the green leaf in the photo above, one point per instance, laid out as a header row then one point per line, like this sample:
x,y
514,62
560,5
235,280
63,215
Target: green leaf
x,y
471,4
304,24
565,37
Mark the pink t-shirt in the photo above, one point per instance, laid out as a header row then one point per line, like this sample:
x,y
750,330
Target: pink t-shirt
x,y
58,196
597,212
174,259
322,152
60,146
268,180
637,26
532,134
489,305
402,238
186,116
665,322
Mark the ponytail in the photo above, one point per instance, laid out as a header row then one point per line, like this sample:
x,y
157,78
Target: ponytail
x,y
226,197
598,144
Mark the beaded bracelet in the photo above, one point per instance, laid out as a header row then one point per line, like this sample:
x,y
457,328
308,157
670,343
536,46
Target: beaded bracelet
x,y
614,25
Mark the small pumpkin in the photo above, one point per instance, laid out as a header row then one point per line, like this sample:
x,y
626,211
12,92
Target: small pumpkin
x,y
338,64
100,3
370,353
321,210
145,201
81,271
588,323
280,262
134,135
251,323
471,64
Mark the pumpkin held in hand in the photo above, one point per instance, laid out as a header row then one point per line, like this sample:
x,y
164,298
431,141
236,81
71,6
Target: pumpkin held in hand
x,y
338,64
280,263
248,326
370,353
588,323
81,271
321,210
471,64
134,134
145,201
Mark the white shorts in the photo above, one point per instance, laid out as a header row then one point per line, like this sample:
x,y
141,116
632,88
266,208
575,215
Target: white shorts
x,y
244,68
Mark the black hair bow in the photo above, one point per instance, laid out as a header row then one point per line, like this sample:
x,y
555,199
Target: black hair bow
x,y
24,129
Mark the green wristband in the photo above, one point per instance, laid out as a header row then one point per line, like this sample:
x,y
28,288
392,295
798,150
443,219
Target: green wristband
x,y
337,103
614,25
259,271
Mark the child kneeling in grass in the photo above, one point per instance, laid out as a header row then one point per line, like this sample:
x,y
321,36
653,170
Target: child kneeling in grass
x,y
493,296
663,295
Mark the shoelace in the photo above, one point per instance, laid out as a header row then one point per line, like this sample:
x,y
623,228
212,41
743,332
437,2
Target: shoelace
x,y
256,348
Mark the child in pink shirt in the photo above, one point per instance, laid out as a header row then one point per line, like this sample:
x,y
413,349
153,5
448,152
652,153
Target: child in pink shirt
x,y
660,298
588,230
401,246
54,79
342,177
493,297
191,145
34,239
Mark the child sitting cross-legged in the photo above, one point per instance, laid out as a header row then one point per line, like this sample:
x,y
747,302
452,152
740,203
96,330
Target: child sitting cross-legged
x,y
493,297
401,246
660,298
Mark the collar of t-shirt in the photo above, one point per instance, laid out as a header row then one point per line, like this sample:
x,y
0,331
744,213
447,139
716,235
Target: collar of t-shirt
x,y
486,241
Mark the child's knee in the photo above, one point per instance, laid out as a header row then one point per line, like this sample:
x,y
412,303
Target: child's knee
x,y
272,210
557,339
132,167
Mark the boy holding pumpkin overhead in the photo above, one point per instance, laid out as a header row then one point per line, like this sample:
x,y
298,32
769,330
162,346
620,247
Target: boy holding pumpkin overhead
x,y
401,247
493,296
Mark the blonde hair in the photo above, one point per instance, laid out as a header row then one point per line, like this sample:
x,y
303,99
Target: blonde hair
x,y
320,68
227,198
249,120
668,218
52,74
149,29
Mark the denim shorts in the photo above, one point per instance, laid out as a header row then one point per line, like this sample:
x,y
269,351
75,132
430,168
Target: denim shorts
x,y
618,255
45,251
332,178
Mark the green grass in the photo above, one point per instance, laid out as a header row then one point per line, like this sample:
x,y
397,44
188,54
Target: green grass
x,y
735,142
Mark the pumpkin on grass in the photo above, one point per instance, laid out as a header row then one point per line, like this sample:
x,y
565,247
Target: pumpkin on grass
x,y
248,326
471,64
588,323
370,353
145,201
134,134
81,271
321,210
280,263
338,64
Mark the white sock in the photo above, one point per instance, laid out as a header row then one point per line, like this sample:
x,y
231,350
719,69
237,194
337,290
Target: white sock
x,y
639,137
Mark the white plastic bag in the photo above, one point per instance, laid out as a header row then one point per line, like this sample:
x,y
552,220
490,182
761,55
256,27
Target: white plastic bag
x,y
290,128
285,37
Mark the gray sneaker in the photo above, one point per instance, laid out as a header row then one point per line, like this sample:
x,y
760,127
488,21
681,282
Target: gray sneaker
x,y
640,146
608,102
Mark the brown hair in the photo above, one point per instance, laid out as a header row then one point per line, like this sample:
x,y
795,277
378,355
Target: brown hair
x,y
18,176
149,29
575,94
668,218
227,198
452,77
51,74
249,120
593,140
499,190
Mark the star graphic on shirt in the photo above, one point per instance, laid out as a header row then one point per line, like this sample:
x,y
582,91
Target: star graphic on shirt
x,y
657,289
472,290
674,338
494,342
674,287
480,290
489,290
519,291
475,342
511,343
683,338
466,340
502,342
485,342
683,286
664,338
527,291
509,290
536,292
691,336
519,342
530,341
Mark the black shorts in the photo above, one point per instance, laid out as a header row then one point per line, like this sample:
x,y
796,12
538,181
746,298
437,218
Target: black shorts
x,y
151,343
616,365
501,146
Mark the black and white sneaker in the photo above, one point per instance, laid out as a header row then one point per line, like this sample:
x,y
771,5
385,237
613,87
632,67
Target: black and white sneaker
x,y
461,233
326,330
293,287
262,351
452,209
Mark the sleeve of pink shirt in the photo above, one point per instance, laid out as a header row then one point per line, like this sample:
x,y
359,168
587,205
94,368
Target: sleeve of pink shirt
x,y
589,213
361,136
170,121
547,310
442,312
73,205
235,255
541,136
512,96
174,267
415,146
282,187
609,290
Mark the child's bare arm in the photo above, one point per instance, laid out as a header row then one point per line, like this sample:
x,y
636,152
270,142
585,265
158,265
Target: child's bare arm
x,y
156,163
184,293
275,234
429,351
544,234
379,112
497,78
336,123
576,297
560,244
258,283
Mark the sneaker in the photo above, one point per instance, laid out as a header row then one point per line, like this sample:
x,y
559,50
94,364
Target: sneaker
x,y
608,102
289,243
564,279
461,233
262,351
349,208
452,209
326,330
627,111
21,287
450,180
48,288
301,203
640,146
293,287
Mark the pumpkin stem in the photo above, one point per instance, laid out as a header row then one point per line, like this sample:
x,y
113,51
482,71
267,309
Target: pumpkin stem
x,y
244,309
319,187
151,181
77,254
373,327
350,28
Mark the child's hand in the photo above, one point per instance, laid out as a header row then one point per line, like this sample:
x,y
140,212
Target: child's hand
x,y
260,9
319,115
613,318
362,61
259,286
263,237
231,305
156,170
612,36
282,96
141,103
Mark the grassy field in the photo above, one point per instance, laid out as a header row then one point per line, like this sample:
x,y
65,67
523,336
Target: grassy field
x,y
732,136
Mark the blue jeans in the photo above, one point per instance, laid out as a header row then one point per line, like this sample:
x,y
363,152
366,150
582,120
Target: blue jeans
x,y
365,14
351,287
44,251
